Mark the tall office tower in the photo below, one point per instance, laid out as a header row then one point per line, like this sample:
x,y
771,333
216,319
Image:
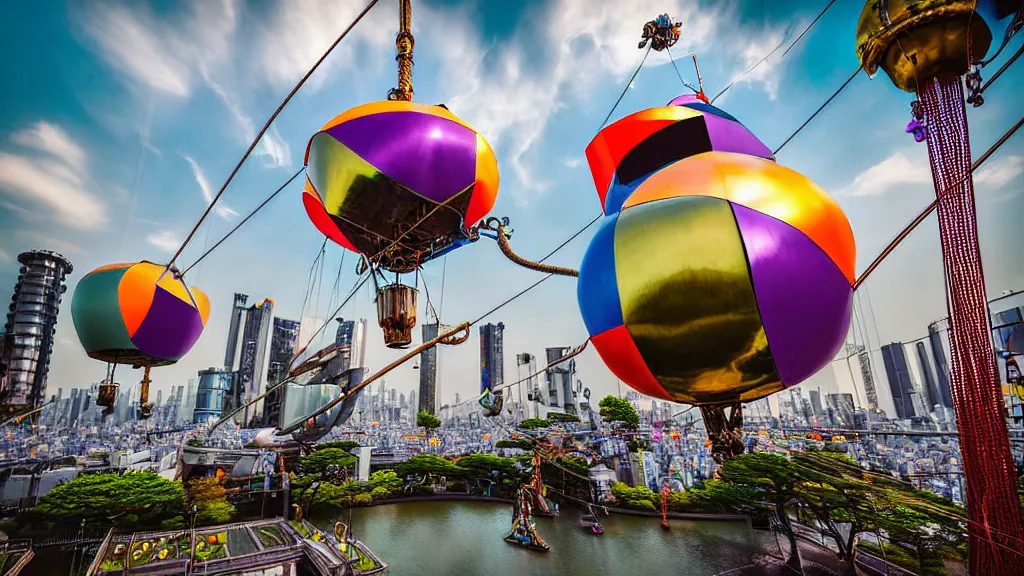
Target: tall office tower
x,y
428,371
213,395
931,387
898,373
492,356
282,348
237,313
3,360
179,401
817,410
844,409
935,333
351,338
868,376
31,324
185,415
254,355
559,379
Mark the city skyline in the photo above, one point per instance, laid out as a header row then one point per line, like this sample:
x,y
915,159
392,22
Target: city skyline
x,y
159,128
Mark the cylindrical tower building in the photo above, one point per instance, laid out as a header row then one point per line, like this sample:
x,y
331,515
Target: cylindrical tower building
x,y
31,323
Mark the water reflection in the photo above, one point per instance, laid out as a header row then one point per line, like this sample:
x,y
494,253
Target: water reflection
x,y
465,538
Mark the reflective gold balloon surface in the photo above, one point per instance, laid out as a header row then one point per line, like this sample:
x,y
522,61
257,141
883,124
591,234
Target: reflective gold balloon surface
x,y
918,40
695,322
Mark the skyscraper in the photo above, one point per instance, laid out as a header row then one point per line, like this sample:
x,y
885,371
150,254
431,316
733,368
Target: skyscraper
x,y
282,349
941,364
559,380
254,354
31,324
212,395
492,356
898,373
237,312
351,338
428,371
927,378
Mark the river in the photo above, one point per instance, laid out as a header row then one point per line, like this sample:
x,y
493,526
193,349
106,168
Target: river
x,y
465,539
438,538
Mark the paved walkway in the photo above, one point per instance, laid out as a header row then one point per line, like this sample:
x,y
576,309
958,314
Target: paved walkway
x,y
814,560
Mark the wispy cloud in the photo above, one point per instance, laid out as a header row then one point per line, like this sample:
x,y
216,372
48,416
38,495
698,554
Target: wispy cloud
x,y
573,162
157,53
895,171
509,93
49,241
55,181
1000,172
221,209
53,140
4,256
165,240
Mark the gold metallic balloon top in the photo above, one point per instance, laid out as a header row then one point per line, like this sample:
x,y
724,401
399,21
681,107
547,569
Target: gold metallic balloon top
x,y
918,40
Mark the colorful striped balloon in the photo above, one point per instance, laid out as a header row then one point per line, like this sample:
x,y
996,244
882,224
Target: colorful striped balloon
x,y
723,277
124,315
627,152
379,169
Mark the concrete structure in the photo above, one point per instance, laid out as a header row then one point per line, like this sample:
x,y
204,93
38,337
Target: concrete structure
x,y
363,466
31,324
559,379
428,371
897,371
237,313
282,348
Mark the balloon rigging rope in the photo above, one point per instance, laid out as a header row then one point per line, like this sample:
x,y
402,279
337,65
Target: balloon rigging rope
x,y
781,44
244,220
266,126
818,111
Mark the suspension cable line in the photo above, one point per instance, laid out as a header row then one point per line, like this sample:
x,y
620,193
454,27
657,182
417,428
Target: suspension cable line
x,y
263,130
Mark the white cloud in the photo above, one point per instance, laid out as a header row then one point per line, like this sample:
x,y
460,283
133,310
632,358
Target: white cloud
x,y
160,54
1000,172
895,171
573,162
53,140
221,209
166,241
293,39
511,98
272,148
4,256
56,181
47,240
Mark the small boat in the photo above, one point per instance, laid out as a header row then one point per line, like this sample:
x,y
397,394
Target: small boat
x,y
589,522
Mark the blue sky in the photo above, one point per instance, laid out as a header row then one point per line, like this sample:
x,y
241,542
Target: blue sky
x,y
119,120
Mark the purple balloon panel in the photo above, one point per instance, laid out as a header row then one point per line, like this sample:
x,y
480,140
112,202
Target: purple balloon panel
x,y
432,156
170,329
804,299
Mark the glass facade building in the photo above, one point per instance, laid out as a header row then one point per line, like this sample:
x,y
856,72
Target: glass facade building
x,y
898,373
31,324
492,356
255,340
283,343
428,371
212,395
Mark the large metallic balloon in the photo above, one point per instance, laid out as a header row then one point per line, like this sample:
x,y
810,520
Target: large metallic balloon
x,y
630,150
399,182
124,315
918,40
725,277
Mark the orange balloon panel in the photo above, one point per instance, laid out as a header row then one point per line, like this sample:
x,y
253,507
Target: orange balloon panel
x,y
610,146
763,186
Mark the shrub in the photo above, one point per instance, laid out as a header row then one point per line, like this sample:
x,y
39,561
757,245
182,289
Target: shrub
x,y
363,499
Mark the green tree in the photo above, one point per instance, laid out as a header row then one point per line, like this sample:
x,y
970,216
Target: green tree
x,y
562,417
427,420
429,465
346,445
520,443
640,497
138,500
384,483
615,409
210,500
531,423
773,478
325,466
715,496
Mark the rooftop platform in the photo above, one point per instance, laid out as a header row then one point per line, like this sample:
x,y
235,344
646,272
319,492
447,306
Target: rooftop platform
x,y
265,547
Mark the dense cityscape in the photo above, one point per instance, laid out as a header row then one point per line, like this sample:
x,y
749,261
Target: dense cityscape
x,y
768,346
